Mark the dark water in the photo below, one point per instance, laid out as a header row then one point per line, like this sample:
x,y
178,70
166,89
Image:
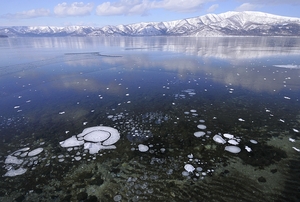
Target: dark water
x,y
156,92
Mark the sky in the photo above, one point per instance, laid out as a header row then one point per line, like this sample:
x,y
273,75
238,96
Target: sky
x,y
99,13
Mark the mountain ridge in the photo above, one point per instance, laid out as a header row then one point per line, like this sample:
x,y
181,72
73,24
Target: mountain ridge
x,y
247,23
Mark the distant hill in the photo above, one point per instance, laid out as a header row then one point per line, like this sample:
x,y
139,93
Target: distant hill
x,y
247,23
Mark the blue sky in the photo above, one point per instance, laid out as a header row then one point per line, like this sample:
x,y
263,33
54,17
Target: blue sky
x,y
114,12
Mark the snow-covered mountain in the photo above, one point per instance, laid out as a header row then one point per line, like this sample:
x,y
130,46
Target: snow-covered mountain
x,y
247,23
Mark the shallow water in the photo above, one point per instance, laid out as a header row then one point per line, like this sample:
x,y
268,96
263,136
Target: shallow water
x,y
158,93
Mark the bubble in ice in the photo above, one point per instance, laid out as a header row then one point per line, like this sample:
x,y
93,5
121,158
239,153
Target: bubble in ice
x,y
199,134
219,139
233,142
94,139
227,135
253,141
35,152
189,167
233,149
201,126
117,198
17,162
143,148
248,149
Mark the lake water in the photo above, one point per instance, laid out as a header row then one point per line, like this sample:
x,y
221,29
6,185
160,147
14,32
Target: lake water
x,y
173,119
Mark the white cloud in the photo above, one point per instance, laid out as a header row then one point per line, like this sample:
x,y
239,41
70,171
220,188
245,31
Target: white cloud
x,y
212,8
142,7
124,7
181,5
74,9
271,2
247,7
34,13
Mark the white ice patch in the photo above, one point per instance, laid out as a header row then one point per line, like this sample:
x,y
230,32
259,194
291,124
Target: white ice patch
x,y
189,167
288,66
227,135
233,149
143,148
94,139
298,150
248,149
219,139
12,172
13,160
292,140
35,152
253,141
233,142
295,130
199,134
16,162
201,126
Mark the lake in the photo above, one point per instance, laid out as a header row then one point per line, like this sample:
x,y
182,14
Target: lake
x,y
150,119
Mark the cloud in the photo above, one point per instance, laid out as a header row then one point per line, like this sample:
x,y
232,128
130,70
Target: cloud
x,y
212,8
272,2
123,7
34,13
180,5
142,7
74,9
247,7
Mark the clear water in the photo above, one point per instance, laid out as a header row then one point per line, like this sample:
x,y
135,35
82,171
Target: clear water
x,y
156,92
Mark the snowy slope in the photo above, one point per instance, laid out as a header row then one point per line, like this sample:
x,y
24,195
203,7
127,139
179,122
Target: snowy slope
x,y
247,23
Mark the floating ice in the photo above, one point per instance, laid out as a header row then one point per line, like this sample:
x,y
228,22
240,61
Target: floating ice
x,y
219,139
240,119
253,141
199,134
233,149
189,167
143,148
94,139
61,113
35,152
288,98
201,126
